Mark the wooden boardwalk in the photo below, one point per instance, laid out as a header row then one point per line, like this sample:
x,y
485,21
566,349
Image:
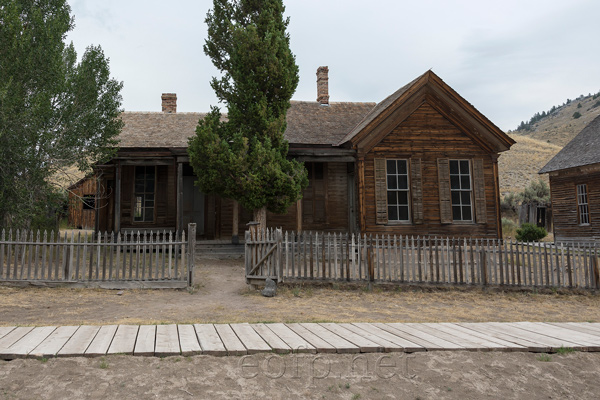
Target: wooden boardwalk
x,y
240,339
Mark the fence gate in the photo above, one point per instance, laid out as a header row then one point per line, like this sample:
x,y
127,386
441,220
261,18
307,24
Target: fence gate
x,y
263,255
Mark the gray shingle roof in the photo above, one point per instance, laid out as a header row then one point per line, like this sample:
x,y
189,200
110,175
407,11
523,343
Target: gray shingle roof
x,y
584,149
307,123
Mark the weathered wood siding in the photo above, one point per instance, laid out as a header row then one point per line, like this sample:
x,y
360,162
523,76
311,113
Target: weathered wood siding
x,y
80,216
563,189
425,137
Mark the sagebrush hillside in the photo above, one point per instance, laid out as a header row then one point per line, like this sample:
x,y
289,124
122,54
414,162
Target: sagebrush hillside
x,y
540,138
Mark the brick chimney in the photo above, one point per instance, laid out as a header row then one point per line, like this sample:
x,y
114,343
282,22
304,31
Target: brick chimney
x,y
169,103
323,85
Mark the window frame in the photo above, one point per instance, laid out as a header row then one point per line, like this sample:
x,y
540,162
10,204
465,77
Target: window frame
x,y
408,191
460,190
144,193
583,208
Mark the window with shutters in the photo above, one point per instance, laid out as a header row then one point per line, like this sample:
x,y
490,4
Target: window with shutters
x,y
398,205
582,205
461,190
144,192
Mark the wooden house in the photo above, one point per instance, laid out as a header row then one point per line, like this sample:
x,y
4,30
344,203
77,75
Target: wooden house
x,y
423,161
575,187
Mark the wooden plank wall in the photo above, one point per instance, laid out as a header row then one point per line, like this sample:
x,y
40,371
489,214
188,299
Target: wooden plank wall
x,y
563,188
428,135
78,217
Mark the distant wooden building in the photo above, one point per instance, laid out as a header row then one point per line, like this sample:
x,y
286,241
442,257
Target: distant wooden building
x,y
423,161
575,187
82,204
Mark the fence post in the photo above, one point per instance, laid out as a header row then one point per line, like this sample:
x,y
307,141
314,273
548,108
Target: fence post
x,y
279,261
191,252
483,258
371,262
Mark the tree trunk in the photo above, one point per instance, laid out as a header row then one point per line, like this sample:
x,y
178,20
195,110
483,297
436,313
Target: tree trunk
x,y
260,216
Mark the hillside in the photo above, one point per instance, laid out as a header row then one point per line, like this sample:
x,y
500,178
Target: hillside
x,y
548,132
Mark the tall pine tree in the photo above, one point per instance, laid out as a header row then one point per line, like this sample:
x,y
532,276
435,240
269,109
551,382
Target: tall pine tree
x,y
244,157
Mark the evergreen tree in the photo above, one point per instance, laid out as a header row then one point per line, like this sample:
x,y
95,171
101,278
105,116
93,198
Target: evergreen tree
x,y
55,113
245,156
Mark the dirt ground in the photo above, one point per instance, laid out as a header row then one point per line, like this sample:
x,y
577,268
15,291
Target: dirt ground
x,y
222,296
434,375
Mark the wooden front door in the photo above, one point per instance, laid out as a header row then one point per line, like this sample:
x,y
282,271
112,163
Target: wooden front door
x,y
193,205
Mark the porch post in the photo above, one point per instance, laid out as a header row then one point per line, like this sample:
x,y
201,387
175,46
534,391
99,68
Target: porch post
x,y
299,215
179,221
235,238
118,197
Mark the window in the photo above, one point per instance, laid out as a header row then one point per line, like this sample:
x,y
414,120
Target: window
x,y
314,197
582,205
460,190
89,202
145,177
397,190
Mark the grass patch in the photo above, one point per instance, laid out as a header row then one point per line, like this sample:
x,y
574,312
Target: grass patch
x,y
544,357
565,350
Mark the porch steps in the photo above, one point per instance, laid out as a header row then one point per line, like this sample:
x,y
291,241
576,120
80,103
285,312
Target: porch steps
x,y
219,249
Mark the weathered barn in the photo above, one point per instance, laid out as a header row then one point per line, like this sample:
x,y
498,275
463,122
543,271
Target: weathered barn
x,y
82,203
575,187
423,161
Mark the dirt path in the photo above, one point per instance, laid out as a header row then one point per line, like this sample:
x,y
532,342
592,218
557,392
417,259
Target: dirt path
x,y
435,375
222,296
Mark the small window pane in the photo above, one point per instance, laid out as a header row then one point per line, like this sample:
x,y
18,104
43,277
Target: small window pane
x,y
402,170
392,198
402,182
150,186
456,197
454,182
392,184
466,213
464,167
393,213
403,197
456,213
465,197
465,182
391,167
403,215
454,167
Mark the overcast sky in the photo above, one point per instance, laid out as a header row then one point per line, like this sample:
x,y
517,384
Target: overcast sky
x,y
508,58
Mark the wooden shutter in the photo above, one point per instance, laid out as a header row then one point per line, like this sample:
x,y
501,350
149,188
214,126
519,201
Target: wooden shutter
x,y
416,188
479,191
381,191
444,187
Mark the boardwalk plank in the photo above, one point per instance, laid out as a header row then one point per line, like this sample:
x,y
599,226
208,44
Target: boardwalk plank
x,y
30,341
407,345
296,342
486,329
146,340
340,344
251,340
230,340
167,341
79,342
365,345
469,342
422,332
590,342
209,340
11,338
277,344
188,340
5,330
553,343
386,345
54,342
124,340
579,326
504,344
102,341
320,344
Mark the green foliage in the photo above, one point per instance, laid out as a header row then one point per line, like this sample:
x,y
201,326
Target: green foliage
x,y
545,357
245,157
564,350
55,113
576,115
509,227
510,202
596,104
536,191
530,233
578,105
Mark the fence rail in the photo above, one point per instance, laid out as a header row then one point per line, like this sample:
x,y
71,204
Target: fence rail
x,y
149,257
407,259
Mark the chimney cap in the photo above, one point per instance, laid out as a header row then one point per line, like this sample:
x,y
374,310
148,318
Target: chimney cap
x,y
169,103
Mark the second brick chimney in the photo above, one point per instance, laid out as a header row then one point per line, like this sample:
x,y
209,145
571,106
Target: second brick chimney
x,y
323,85
169,103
